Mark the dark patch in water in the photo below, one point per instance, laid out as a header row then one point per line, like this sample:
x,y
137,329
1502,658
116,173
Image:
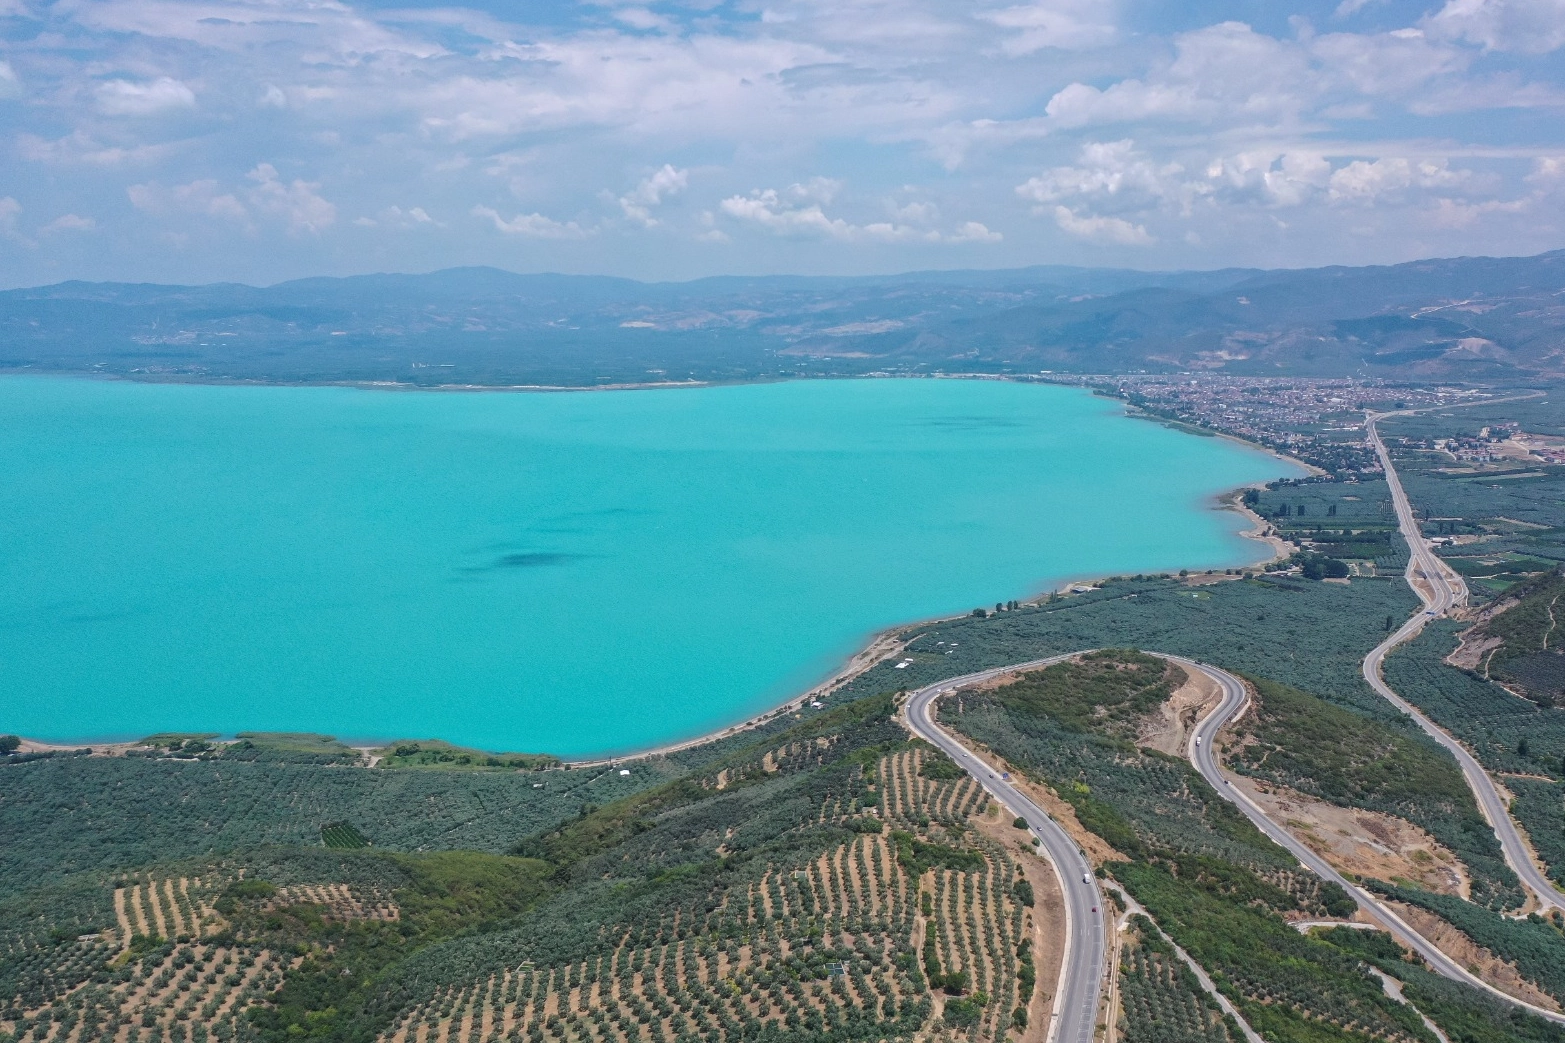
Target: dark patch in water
x,y
969,423
527,560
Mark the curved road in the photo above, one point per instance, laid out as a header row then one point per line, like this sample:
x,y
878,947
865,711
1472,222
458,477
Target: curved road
x,y
1200,750
1443,590
1080,986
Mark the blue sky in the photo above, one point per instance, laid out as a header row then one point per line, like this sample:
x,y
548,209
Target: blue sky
x,y
260,140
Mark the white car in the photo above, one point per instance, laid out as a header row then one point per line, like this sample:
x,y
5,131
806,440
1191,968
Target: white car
x,y
1198,740
1086,879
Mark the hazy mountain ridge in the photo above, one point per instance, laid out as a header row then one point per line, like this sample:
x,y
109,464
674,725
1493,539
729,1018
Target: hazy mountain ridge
x,y
1471,317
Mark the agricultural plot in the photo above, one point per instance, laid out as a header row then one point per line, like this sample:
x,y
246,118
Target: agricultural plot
x,y
185,994
1461,1012
1506,732
820,947
343,836
112,813
1518,640
1540,805
166,969
1160,999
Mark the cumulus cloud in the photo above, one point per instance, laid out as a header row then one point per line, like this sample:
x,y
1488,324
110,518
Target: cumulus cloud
x,y
798,212
1223,70
1524,26
1114,231
667,181
1364,181
531,226
127,98
1107,170
296,202
1231,125
203,198
1063,24
81,147
68,223
396,217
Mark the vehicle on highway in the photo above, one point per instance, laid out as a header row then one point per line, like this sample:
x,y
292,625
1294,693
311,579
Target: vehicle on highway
x,y
1086,879
1198,740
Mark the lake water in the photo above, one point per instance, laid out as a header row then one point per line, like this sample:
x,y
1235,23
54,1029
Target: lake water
x,y
571,573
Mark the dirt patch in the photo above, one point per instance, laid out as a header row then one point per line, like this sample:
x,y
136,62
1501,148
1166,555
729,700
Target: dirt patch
x,y
1366,843
1478,960
1167,730
1045,920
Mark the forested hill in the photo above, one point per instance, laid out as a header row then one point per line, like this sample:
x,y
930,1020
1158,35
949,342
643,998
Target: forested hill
x,y
1464,318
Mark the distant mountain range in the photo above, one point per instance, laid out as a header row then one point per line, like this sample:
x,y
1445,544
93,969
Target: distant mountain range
x,y
1463,318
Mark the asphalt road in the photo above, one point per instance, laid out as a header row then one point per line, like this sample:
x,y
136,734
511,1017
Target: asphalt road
x,y
1200,752
1445,590
1081,973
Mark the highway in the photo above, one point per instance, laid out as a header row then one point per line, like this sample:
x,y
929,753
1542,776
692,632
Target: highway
x,y
1080,988
1200,750
1441,591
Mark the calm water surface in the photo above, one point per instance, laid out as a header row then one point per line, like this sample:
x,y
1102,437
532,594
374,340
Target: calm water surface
x,y
566,572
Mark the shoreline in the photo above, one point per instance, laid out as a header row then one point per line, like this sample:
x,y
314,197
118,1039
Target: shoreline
x,y
877,648
882,645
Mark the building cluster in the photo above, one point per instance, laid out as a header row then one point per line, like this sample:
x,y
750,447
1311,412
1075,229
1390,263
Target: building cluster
x,y
1318,421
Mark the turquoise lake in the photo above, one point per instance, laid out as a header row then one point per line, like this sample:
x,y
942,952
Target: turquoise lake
x,y
572,573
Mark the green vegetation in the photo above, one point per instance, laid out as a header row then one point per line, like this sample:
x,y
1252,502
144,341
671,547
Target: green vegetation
x,y
1535,944
1109,689
1339,756
1464,1013
434,753
811,878
344,836
1526,654
1160,999
1207,876
111,813
939,767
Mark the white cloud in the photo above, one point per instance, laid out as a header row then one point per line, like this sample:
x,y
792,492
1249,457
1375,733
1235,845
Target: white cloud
x,y
203,198
125,98
1114,231
1225,70
768,208
296,202
652,191
1069,25
1365,181
80,147
1547,171
10,83
795,212
396,217
1107,170
1525,26
532,226
1270,177
973,232
1459,213
68,223
641,18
